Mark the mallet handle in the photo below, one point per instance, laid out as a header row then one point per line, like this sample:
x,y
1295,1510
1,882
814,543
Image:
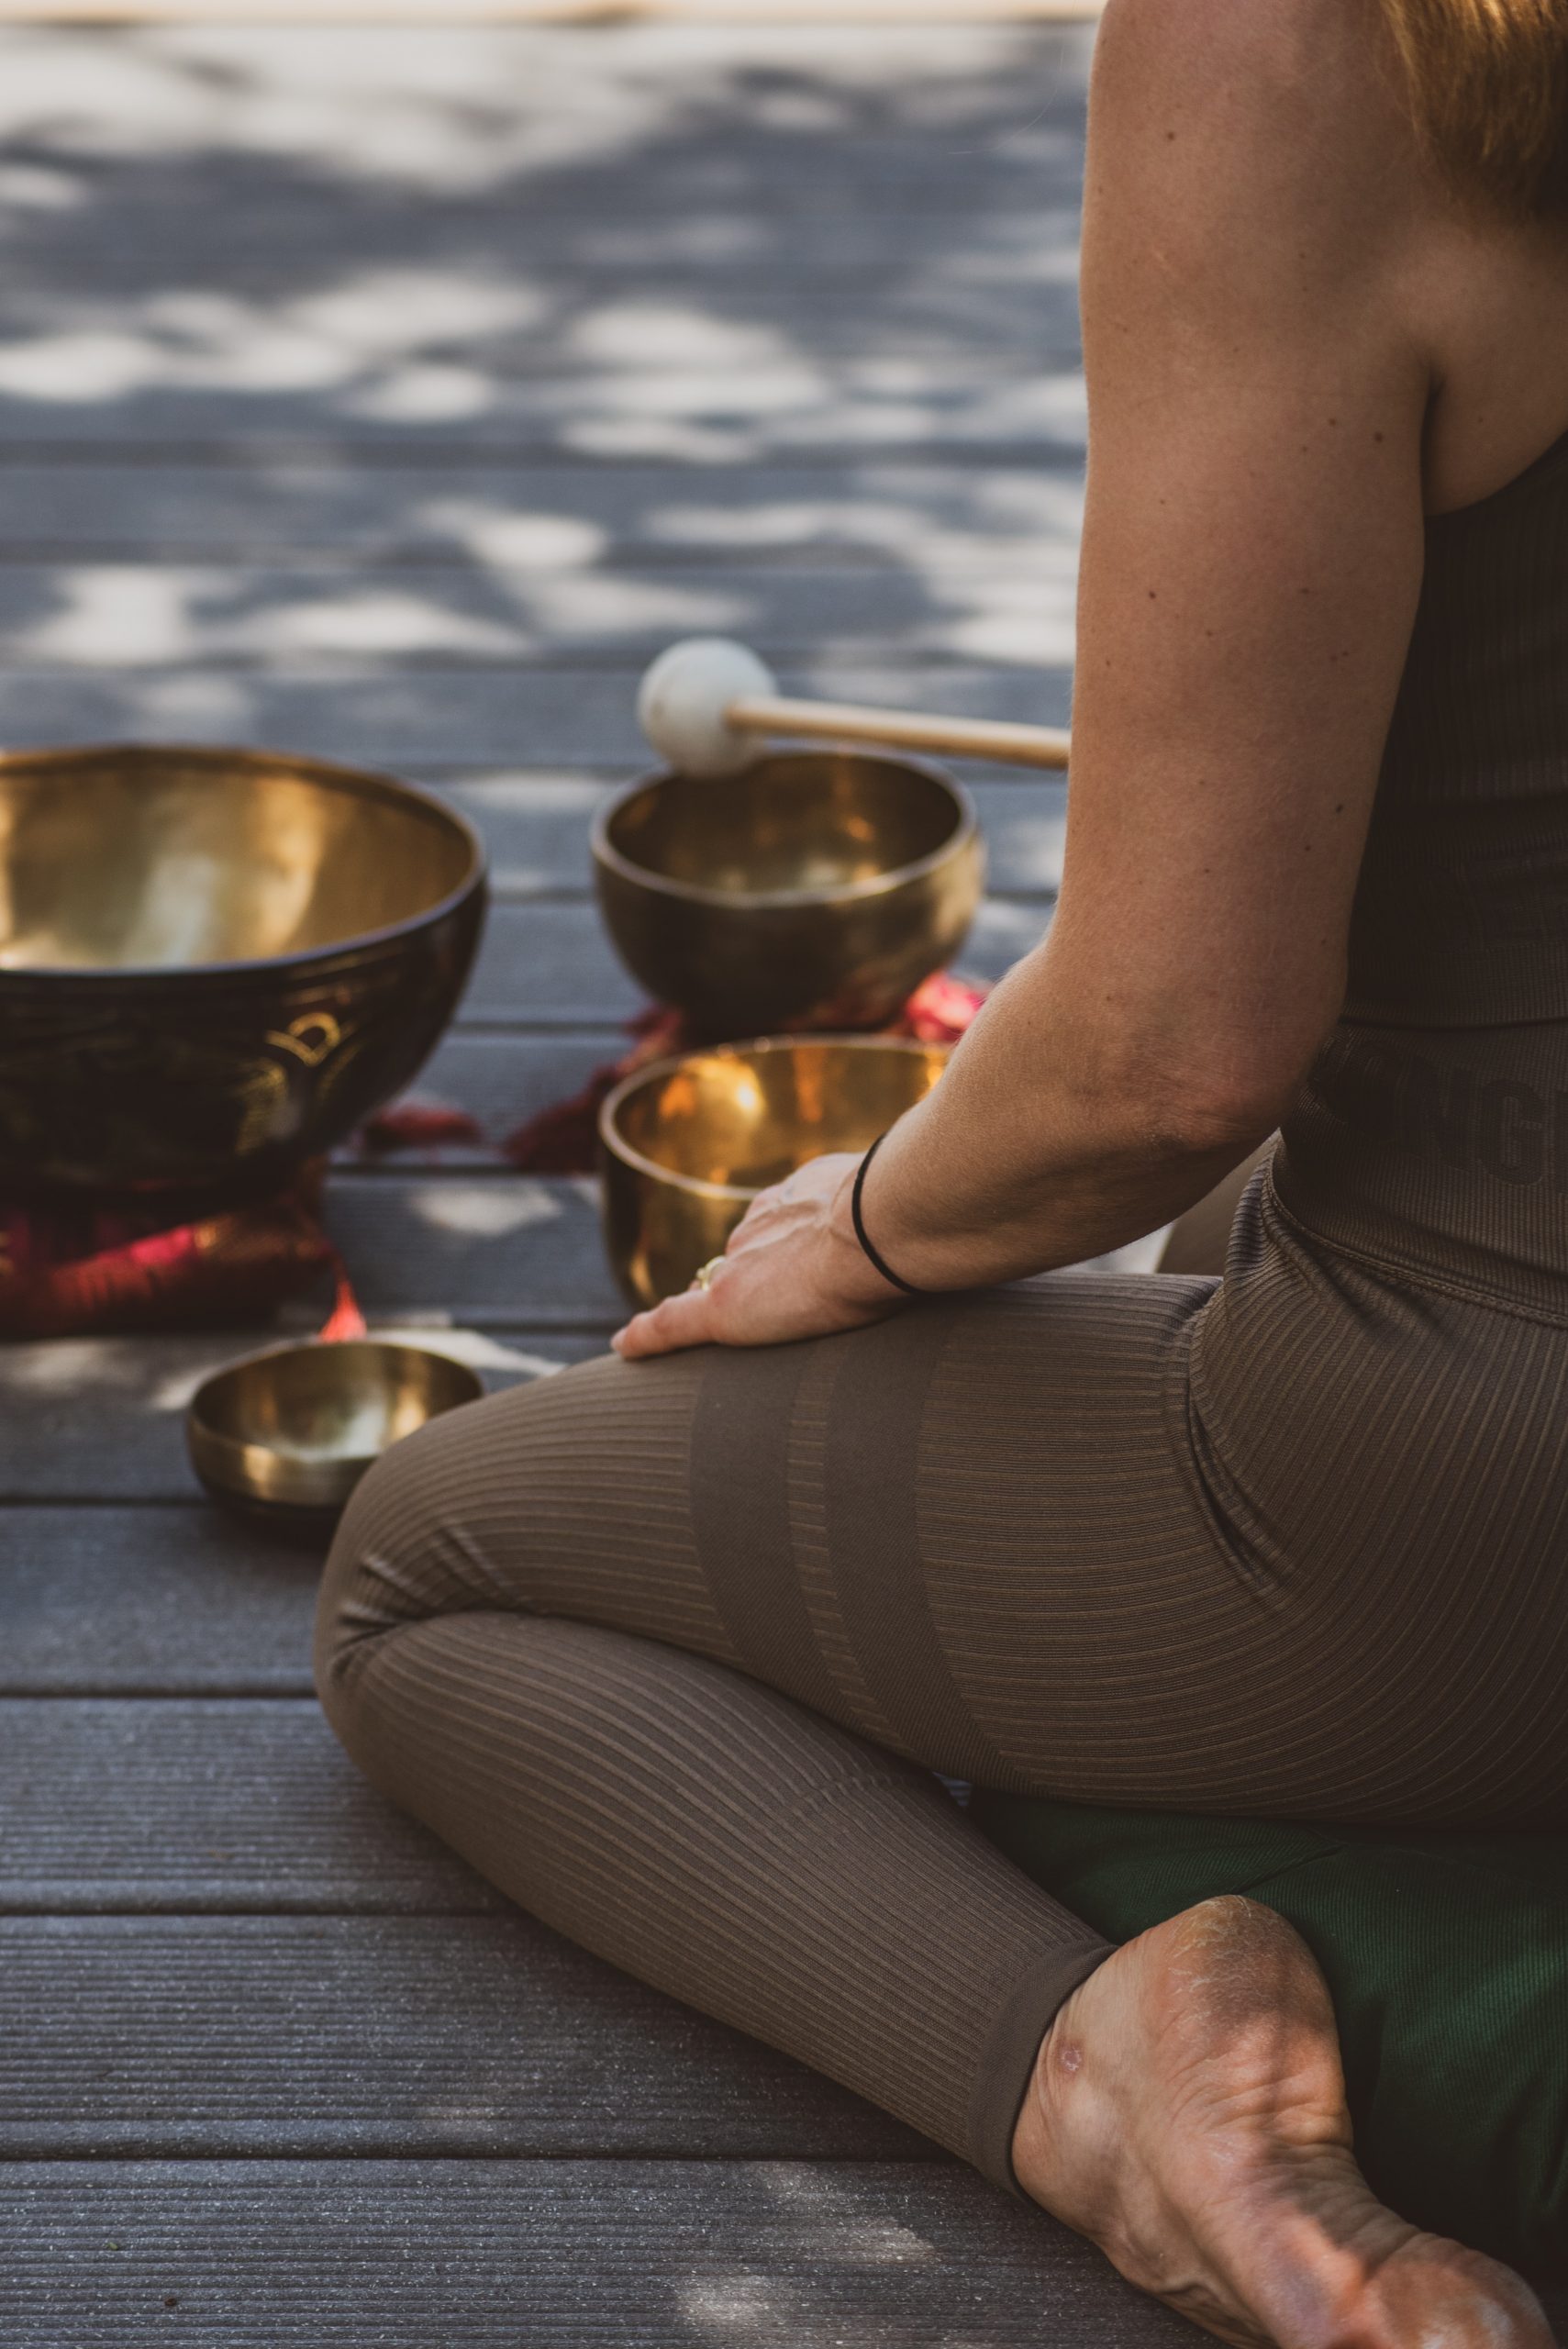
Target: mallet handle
x,y
899,729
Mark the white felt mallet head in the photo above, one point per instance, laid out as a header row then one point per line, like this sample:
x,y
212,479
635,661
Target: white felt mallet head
x,y
681,702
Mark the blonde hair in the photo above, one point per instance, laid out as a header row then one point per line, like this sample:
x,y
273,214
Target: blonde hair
x,y
1489,80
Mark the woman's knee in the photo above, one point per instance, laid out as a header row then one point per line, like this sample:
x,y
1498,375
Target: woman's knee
x,y
399,1555
565,1496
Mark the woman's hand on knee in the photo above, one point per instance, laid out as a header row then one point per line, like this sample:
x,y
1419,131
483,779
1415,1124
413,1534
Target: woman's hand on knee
x,y
793,1269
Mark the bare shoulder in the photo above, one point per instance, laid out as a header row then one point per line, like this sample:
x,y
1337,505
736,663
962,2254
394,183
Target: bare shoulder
x,y
1259,209
1329,53
1232,30
1249,119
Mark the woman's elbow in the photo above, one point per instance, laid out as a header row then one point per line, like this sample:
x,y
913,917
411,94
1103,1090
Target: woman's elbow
x,y
1208,1106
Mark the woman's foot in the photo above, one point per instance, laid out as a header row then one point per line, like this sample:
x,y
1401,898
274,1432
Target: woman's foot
x,y
1187,2114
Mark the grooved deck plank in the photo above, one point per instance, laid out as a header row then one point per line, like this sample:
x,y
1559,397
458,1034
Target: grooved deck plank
x,y
649,207
227,2037
561,2255
157,1600
562,517
918,321
101,1418
757,264
564,717
492,1249
204,1803
502,1078
811,406
489,611
766,256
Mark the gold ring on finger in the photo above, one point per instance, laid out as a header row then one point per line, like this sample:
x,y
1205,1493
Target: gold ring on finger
x,y
703,1276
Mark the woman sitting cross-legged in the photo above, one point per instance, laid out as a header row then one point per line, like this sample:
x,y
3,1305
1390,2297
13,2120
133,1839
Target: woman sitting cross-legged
x,y
669,1645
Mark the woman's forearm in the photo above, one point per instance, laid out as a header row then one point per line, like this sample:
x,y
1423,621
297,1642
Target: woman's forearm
x,y
1060,1132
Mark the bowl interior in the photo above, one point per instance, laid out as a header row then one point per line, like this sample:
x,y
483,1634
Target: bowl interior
x,y
321,1403
806,820
746,1118
166,859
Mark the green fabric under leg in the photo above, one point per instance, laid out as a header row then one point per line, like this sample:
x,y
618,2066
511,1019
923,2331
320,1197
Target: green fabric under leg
x,y
1447,1956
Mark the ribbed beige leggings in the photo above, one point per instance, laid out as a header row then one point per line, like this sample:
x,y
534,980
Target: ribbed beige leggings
x,y
668,1650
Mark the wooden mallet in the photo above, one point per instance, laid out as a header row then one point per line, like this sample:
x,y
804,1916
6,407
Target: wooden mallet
x,y
707,706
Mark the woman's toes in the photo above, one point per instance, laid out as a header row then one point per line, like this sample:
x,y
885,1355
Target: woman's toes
x,y
1436,2295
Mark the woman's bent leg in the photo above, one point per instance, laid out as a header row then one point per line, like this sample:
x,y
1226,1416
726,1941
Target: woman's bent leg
x,y
728,1846
975,1537
545,1629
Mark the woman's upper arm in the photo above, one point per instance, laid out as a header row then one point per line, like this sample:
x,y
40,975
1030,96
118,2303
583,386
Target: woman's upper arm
x,y
1253,533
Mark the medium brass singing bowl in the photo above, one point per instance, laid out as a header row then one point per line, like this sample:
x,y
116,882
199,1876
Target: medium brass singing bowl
x,y
286,1435
686,1145
814,890
215,964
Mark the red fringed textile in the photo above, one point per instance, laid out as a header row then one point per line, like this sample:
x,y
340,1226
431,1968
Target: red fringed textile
x,y
345,1321
414,1123
80,1272
939,1011
68,1272
564,1139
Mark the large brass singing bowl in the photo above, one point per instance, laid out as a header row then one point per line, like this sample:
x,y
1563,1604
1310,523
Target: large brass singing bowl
x,y
815,889
686,1144
214,963
286,1435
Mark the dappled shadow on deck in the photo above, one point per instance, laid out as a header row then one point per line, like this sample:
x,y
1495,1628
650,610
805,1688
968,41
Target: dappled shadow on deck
x,y
328,357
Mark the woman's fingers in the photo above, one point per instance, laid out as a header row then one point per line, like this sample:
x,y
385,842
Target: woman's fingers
x,y
684,1320
781,1277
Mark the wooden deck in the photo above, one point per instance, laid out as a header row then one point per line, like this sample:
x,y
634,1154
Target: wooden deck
x,y
391,395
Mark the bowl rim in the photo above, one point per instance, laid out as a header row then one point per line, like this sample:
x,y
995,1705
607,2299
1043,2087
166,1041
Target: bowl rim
x,y
695,1185
963,836
197,1417
365,780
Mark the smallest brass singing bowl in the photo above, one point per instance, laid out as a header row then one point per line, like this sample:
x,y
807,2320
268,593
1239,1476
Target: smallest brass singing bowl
x,y
686,1145
286,1435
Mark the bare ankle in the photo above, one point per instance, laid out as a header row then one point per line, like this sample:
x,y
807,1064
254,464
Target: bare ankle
x,y
1186,2112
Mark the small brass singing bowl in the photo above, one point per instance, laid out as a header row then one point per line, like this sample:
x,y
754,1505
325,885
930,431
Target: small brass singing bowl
x,y
215,964
286,1435
815,889
686,1145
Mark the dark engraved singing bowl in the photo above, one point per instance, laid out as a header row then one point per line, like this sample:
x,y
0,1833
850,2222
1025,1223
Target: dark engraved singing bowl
x,y
686,1145
286,1435
214,963
814,890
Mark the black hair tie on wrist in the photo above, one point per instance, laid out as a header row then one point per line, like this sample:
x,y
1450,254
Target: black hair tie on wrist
x,y
884,1268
